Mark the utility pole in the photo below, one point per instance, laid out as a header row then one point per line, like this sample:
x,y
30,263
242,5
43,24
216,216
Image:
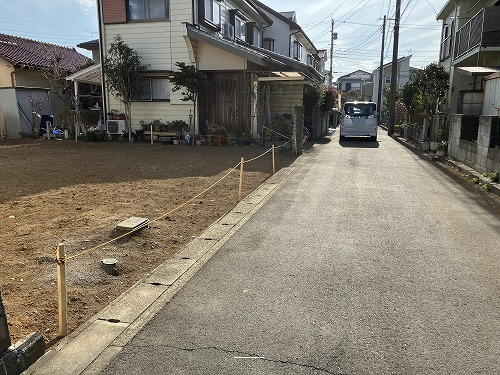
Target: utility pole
x,y
381,73
394,74
331,55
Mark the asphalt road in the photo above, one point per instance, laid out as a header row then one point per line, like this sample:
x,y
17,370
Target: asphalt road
x,y
369,260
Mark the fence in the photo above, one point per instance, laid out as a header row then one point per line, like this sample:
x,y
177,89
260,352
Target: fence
x,y
474,141
469,128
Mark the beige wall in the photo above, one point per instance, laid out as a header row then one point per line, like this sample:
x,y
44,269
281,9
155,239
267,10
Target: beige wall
x,y
5,74
212,58
160,44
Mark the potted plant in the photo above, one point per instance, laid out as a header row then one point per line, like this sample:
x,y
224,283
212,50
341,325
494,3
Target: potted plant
x,y
216,129
441,148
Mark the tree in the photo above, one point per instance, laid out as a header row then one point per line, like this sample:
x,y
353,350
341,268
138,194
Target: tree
x,y
123,69
351,96
193,81
426,90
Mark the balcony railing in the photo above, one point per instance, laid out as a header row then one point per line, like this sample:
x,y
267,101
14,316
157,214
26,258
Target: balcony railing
x,y
481,30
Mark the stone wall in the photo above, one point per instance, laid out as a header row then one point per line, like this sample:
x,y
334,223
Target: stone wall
x,y
475,154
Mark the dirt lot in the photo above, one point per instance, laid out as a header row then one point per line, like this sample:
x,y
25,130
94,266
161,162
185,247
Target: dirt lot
x,y
62,191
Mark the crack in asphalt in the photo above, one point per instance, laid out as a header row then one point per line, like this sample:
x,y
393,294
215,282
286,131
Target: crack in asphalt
x,y
252,356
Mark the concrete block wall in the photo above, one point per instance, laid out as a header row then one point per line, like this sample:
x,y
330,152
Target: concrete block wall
x,y
475,154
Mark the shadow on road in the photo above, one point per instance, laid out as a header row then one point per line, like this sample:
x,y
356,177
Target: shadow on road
x,y
359,142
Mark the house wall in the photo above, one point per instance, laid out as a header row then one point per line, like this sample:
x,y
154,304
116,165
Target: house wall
x,y
403,74
356,84
212,58
284,97
478,154
462,11
160,44
280,32
5,74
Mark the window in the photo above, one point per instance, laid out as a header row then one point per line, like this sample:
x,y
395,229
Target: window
x,y
297,50
239,28
212,12
155,88
348,86
140,10
257,37
388,79
268,44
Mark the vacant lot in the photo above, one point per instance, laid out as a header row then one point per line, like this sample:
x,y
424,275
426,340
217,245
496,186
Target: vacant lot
x,y
62,191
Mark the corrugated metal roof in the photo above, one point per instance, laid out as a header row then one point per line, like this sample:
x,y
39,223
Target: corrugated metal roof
x,y
31,53
477,70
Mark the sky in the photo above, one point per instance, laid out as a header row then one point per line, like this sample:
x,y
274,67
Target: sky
x,y
358,24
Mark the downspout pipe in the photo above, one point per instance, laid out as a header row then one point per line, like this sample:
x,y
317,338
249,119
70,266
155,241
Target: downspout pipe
x,y
101,54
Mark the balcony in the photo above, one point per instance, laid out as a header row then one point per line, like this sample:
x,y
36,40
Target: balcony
x,y
482,30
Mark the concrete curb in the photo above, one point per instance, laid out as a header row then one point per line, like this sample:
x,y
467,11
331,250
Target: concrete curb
x,y
96,342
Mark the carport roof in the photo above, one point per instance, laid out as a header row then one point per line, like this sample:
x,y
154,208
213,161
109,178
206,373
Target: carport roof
x,y
91,75
477,70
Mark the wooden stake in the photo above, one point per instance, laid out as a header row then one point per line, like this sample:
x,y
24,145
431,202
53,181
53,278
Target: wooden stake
x,y
241,180
61,288
151,133
274,164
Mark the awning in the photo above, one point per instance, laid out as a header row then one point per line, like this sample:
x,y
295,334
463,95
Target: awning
x,y
474,71
91,75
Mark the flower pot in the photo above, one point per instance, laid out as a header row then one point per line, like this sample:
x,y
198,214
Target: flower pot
x,y
176,141
440,152
432,145
424,145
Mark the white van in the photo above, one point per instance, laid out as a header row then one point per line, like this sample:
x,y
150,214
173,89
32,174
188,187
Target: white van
x,y
359,119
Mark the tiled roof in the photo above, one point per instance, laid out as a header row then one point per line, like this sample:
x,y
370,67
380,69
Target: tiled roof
x,y
21,51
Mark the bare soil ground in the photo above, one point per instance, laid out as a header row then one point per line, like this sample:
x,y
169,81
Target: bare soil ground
x,y
63,191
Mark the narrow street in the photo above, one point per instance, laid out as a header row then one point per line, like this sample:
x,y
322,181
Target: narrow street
x,y
369,260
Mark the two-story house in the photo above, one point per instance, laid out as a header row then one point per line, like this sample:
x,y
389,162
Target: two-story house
x,y
26,84
353,81
470,50
223,39
404,72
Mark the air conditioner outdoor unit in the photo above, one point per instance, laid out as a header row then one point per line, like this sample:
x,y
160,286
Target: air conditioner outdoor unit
x,y
116,126
228,31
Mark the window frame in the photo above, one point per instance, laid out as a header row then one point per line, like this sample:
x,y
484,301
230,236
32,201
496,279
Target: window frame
x,y
146,11
268,43
239,29
296,50
215,10
151,91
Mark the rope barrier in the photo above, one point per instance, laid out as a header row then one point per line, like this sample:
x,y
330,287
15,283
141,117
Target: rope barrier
x,y
61,258
67,258
151,221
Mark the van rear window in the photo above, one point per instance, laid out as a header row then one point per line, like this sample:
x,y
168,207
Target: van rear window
x,y
361,109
